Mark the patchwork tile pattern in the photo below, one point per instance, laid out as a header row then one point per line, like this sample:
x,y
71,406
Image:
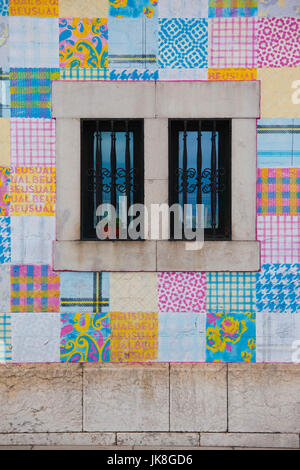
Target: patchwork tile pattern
x,y
133,8
134,337
85,337
278,8
135,290
219,8
4,191
4,142
232,43
280,92
230,337
230,292
133,42
277,337
278,288
4,288
33,42
232,74
133,75
275,142
34,289
4,93
278,191
84,292
42,8
32,239
4,8
33,191
83,42
278,42
182,9
182,337
84,74
88,8
181,292
280,238
35,337
30,91
32,142
5,338
5,240
183,43
4,42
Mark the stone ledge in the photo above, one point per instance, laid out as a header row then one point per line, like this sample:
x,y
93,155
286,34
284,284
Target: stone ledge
x,y
249,440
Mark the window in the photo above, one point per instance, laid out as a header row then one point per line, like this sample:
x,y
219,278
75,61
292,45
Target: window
x,y
112,165
164,122
199,172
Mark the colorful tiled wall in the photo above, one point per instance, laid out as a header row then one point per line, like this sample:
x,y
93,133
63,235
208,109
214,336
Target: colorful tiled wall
x,y
48,316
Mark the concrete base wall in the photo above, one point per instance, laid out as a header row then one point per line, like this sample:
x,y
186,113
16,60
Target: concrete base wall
x,y
152,405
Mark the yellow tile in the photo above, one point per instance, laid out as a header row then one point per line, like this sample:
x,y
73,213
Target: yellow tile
x,y
85,9
33,8
4,142
280,92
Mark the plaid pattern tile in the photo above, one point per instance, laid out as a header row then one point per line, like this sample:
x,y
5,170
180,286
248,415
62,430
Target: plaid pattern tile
x,y
4,8
34,289
134,336
275,146
4,93
32,142
84,292
33,8
278,42
30,91
183,43
33,42
232,42
84,74
83,42
231,337
278,191
181,336
218,8
5,338
230,292
278,288
85,337
4,191
132,43
5,240
280,238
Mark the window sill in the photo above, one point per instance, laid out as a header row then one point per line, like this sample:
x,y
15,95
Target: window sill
x,y
156,256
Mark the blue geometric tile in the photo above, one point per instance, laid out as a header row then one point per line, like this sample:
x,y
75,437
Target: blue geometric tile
x,y
5,241
183,43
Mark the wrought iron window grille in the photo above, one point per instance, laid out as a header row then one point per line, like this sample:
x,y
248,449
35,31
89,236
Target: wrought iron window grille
x,y
200,172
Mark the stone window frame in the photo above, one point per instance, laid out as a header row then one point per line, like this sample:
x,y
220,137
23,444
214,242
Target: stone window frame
x,y
156,103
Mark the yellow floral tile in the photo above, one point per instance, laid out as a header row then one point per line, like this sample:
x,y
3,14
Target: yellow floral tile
x,y
280,92
4,142
86,8
134,337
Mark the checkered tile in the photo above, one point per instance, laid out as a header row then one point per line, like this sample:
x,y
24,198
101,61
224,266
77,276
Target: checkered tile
x,y
230,292
232,42
34,289
5,338
32,142
84,74
280,238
